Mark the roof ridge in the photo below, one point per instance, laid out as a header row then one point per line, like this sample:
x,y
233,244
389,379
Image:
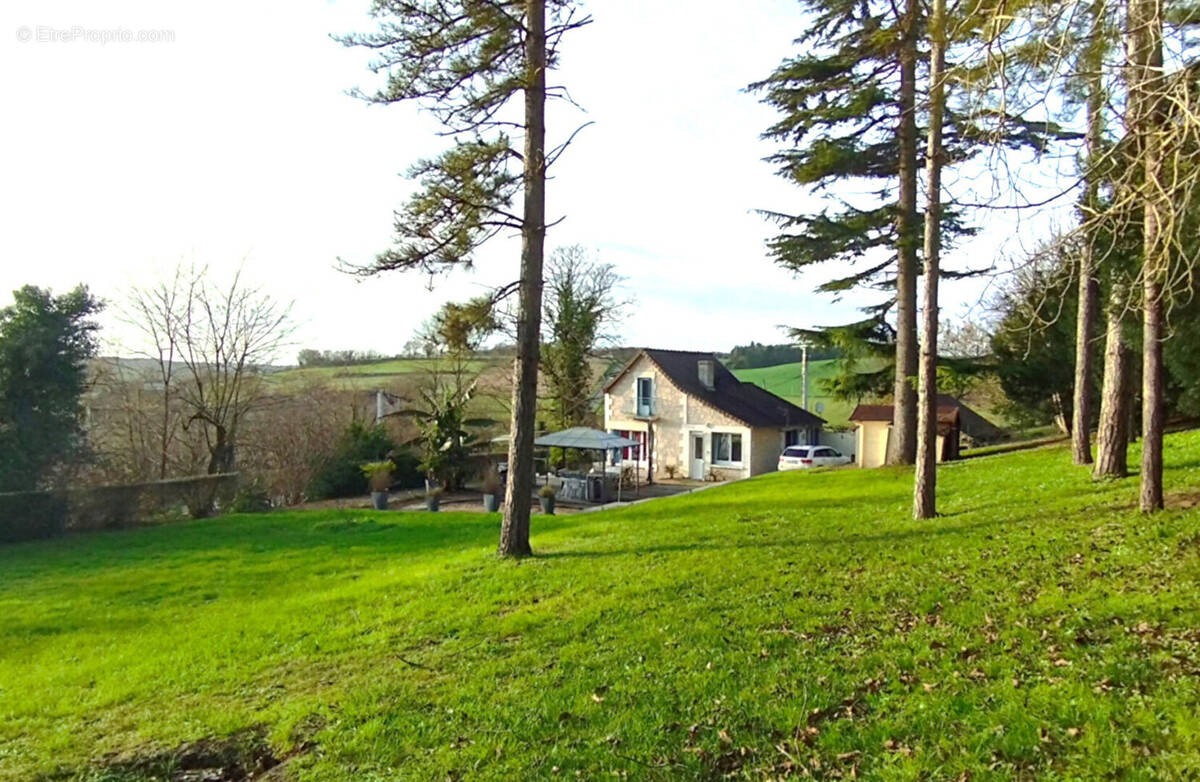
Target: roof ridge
x,y
677,350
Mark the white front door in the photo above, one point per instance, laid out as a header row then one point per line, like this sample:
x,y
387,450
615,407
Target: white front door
x,y
696,449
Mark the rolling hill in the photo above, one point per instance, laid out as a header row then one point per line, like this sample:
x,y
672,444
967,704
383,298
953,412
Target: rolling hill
x,y
784,380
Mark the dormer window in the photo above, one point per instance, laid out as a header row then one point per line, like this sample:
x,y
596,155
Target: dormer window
x,y
707,373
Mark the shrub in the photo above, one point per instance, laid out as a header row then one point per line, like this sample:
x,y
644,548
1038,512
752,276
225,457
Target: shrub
x,y
251,498
378,474
30,515
341,473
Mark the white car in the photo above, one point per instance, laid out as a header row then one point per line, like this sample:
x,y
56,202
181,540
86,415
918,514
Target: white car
x,y
802,457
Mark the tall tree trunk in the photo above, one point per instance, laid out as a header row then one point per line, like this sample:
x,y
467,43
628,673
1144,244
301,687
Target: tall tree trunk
x,y
902,447
1081,441
1145,24
221,453
1081,445
514,531
1152,394
1112,434
165,440
925,483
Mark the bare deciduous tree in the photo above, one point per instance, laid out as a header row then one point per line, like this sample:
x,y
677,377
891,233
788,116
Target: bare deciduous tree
x,y
287,437
211,343
152,310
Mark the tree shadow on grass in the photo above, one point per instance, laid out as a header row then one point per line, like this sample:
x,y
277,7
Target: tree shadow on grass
x,y
932,530
242,538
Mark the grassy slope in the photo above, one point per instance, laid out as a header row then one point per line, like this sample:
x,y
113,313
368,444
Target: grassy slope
x,y
784,380
364,376
793,620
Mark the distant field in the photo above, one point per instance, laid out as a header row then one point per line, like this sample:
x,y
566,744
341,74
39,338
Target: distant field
x,y
785,380
368,376
401,376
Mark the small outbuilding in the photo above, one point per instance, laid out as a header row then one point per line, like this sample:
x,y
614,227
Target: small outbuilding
x,y
955,420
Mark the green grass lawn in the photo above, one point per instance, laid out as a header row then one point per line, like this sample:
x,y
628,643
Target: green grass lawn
x,y
796,624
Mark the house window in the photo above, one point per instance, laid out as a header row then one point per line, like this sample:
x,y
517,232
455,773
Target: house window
x,y
645,396
791,437
706,373
727,448
636,453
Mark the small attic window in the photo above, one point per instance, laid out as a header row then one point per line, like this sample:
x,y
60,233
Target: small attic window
x,y
706,373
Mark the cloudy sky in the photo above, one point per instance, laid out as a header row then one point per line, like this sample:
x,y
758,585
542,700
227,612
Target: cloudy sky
x,y
230,140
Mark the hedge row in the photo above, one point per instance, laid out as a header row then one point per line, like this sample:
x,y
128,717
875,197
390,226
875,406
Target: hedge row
x,y
31,515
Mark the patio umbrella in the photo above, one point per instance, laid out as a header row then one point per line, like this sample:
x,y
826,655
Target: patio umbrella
x,y
584,438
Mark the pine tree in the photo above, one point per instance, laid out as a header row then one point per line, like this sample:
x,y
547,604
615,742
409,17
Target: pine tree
x,y
1112,432
849,111
467,61
1144,31
1091,65
925,479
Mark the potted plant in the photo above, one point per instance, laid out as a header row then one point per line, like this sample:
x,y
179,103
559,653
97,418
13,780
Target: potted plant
x,y
546,497
379,478
492,491
433,496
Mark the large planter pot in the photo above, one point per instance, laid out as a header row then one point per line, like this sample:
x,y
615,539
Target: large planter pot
x,y
491,502
547,505
379,500
432,503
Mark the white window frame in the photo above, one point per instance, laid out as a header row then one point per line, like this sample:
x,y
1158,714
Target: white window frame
x,y
637,396
716,449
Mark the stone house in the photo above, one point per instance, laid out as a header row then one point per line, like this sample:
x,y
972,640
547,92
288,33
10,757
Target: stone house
x,y
693,418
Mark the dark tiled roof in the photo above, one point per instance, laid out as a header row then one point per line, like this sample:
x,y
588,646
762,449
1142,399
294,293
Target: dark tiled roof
x,y
872,413
746,402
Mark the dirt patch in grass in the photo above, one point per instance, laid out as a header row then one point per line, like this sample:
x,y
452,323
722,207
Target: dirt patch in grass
x,y
242,757
1183,499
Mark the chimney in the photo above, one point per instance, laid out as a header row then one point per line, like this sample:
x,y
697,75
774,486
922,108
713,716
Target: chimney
x,y
707,373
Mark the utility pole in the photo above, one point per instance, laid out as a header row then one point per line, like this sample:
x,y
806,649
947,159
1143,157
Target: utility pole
x,y
804,375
